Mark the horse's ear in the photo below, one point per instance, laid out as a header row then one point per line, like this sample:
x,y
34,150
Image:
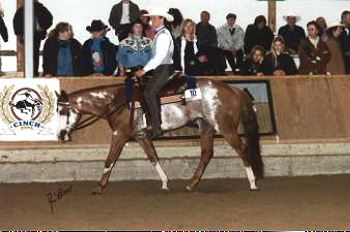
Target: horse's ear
x,y
57,95
63,97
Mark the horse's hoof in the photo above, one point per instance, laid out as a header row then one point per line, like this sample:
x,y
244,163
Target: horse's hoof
x,y
189,188
97,191
254,189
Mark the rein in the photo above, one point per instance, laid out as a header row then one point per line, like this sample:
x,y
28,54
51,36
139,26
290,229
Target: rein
x,y
87,122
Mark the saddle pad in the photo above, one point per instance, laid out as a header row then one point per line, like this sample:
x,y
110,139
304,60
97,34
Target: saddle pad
x,y
164,100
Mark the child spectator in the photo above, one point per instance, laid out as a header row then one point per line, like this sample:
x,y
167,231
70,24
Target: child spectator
x,y
313,52
256,64
62,53
336,64
258,34
3,32
98,52
231,41
187,53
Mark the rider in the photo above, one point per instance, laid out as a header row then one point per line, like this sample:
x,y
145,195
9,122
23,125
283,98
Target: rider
x,y
161,65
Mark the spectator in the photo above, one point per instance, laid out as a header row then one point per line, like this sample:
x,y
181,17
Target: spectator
x,y
323,28
336,64
345,40
175,26
258,34
313,52
281,61
43,21
62,53
3,32
344,16
208,42
292,33
256,64
148,30
187,55
122,16
135,51
98,52
231,40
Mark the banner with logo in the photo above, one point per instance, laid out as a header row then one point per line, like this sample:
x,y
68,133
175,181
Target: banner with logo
x,y
28,109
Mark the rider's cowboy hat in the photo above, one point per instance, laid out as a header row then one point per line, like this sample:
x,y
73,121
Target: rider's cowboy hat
x,y
335,24
160,11
97,25
291,14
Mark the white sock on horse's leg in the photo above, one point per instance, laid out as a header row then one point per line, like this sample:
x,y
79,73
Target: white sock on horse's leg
x,y
251,178
162,176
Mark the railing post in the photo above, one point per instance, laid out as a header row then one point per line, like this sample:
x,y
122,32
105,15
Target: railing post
x,y
20,47
29,38
272,14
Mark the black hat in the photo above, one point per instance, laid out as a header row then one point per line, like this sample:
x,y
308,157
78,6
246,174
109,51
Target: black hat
x,y
96,25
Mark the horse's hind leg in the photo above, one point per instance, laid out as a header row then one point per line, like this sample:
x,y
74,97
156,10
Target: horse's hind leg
x,y
118,142
207,150
240,147
151,153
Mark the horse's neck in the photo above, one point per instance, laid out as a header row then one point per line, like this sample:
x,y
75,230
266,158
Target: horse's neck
x,y
97,102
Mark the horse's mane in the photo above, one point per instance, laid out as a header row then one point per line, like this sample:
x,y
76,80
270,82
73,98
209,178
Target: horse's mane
x,y
100,87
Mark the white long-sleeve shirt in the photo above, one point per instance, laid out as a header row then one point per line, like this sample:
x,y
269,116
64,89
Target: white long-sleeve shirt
x,y
162,50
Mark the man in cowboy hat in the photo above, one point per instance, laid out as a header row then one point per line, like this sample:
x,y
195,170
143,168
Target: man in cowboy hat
x,y
291,32
98,52
161,64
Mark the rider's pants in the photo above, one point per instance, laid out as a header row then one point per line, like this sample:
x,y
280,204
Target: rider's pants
x,y
159,78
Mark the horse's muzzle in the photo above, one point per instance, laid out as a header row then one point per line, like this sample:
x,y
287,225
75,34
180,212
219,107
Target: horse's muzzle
x,y
64,136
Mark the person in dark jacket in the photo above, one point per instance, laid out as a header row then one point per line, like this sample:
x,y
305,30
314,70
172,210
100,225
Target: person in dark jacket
x,y
314,53
208,42
292,33
98,52
281,61
62,53
345,40
256,63
258,34
43,21
187,53
3,32
122,16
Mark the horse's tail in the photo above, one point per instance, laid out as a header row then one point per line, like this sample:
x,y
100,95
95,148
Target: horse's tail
x,y
251,130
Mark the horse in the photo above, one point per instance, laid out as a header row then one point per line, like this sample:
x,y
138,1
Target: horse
x,y
27,105
221,109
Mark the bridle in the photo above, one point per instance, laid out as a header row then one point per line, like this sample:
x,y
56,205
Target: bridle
x,y
81,125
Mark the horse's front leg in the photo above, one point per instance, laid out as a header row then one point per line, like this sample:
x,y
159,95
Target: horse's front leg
x,y
118,141
151,153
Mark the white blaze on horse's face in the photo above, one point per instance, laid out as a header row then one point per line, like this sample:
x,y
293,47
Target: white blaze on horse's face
x,y
67,120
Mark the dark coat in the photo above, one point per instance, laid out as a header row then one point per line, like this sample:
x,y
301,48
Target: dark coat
x,y
50,57
345,45
44,19
109,57
117,11
3,30
250,68
207,35
177,57
283,62
309,63
254,36
292,37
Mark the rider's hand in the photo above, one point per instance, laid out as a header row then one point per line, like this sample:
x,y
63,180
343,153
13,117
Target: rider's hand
x,y
140,73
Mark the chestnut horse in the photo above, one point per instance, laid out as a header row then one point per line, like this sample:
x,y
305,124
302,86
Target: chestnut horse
x,y
220,110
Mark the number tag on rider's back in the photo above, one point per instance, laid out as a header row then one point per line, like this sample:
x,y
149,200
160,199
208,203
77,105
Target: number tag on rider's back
x,y
193,94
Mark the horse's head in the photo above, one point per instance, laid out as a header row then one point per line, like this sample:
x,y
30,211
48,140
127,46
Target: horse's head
x,y
68,117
